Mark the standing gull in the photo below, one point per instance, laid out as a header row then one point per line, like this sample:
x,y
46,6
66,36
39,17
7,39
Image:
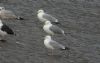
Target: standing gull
x,y
52,29
42,16
53,45
4,30
7,14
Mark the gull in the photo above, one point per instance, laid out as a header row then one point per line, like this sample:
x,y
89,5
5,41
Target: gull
x,y
4,31
42,16
53,45
52,29
7,14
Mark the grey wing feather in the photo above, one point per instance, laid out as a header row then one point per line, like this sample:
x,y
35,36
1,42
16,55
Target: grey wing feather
x,y
49,17
56,29
56,45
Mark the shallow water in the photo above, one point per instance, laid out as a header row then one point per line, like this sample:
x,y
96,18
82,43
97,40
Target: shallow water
x,y
79,18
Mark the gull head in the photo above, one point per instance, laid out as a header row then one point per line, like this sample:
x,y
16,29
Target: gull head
x,y
48,37
2,8
47,22
40,11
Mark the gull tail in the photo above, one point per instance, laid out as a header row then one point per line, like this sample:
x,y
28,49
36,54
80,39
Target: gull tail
x,y
56,22
65,48
20,18
64,34
3,40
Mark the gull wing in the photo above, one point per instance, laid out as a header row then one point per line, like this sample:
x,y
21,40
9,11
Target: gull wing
x,y
56,45
56,29
50,18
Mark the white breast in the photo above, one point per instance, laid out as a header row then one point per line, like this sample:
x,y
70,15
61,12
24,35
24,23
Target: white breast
x,y
47,30
47,44
40,17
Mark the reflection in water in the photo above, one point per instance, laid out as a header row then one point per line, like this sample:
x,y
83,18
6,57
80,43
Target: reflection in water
x,y
54,58
58,58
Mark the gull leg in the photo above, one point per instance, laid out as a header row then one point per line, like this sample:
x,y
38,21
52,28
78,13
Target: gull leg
x,y
50,52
